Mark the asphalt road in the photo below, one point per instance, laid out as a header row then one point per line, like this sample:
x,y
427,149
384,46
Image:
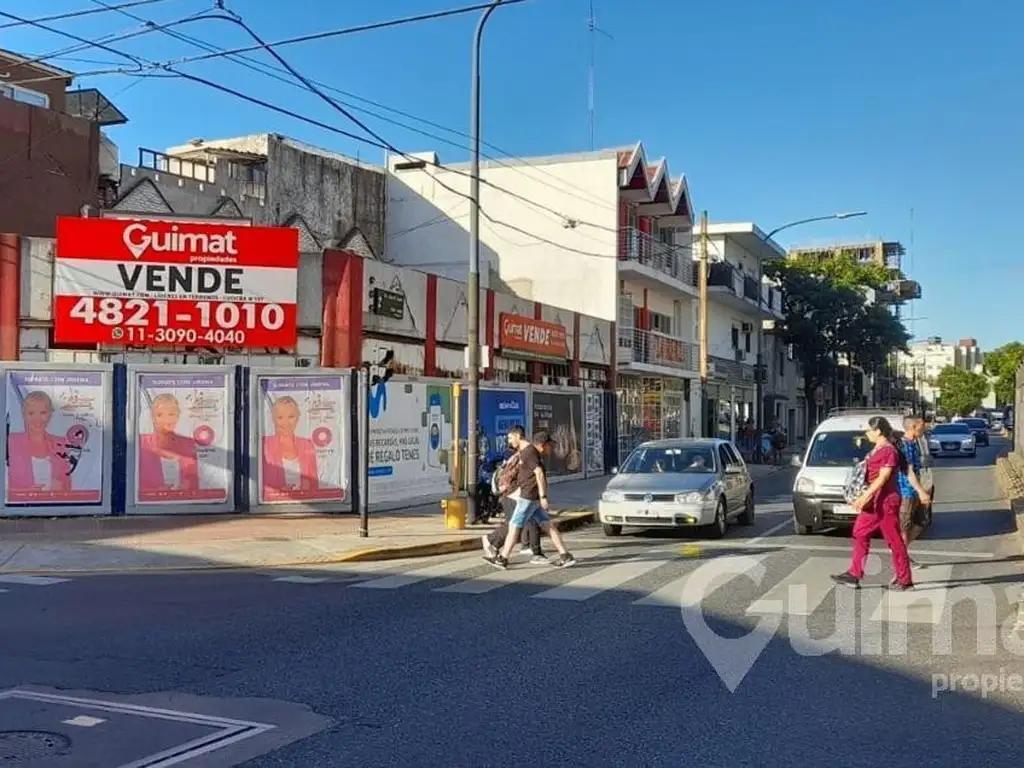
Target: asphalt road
x,y
622,660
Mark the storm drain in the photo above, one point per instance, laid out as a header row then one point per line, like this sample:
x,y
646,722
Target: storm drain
x,y
23,746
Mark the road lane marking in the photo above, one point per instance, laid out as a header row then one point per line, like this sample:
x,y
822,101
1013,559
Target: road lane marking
x,y
436,571
34,581
498,579
84,721
302,579
922,605
671,594
602,580
813,576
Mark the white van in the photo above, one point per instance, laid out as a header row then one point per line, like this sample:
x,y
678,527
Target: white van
x,y
838,443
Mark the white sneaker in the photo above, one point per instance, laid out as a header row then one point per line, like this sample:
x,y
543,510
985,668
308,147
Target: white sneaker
x,y
539,560
489,550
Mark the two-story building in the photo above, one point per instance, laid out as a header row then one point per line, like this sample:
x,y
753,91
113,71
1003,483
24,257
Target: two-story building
x,y
606,234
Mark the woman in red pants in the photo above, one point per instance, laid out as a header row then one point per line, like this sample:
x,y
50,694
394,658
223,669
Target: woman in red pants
x,y
879,507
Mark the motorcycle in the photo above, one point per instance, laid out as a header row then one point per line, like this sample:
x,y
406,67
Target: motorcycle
x,y
488,500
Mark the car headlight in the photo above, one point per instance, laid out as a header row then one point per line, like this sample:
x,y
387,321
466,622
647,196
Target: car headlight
x,y
692,497
968,440
612,496
804,485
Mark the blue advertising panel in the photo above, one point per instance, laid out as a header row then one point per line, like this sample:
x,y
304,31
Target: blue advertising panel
x,y
499,410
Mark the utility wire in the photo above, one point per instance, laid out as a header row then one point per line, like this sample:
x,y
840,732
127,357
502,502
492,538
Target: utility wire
x,y
269,70
376,140
78,13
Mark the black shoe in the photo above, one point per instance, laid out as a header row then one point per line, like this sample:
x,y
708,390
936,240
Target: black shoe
x,y
565,561
847,579
498,562
897,587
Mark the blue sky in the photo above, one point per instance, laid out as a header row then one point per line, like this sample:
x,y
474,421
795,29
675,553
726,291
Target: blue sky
x,y
774,111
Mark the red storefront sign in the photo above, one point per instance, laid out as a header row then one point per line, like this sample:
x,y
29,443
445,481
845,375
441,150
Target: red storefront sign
x,y
525,334
174,283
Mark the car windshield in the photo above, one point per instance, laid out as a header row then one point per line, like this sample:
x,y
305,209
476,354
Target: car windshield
x,y
838,449
951,429
696,459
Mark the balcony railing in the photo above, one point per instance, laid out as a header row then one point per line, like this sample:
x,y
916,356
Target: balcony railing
x,y
653,348
750,289
192,169
676,261
723,274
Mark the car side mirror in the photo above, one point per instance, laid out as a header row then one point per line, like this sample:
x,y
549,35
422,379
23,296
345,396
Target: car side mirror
x,y
796,461
615,470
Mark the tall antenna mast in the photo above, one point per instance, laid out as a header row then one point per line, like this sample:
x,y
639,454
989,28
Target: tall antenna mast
x,y
594,30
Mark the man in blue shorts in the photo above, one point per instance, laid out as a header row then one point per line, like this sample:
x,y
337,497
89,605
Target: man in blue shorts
x,y
532,502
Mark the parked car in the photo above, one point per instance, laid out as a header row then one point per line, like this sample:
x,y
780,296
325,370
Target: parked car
x,y
837,444
952,441
979,428
682,483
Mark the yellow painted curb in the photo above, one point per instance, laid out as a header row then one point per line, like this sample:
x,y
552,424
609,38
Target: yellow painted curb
x,y
573,516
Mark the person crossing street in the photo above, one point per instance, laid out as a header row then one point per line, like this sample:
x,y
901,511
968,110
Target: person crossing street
x,y
508,488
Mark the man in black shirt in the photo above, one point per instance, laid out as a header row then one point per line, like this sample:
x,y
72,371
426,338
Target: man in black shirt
x,y
493,541
532,502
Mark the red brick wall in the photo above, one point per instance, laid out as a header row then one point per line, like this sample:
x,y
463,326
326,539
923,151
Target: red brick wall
x,y
49,167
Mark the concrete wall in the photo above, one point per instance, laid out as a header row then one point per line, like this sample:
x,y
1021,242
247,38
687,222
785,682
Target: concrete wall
x,y
553,253
31,78
50,167
721,321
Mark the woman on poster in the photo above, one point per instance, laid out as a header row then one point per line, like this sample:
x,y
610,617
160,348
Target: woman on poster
x,y
167,460
289,461
37,460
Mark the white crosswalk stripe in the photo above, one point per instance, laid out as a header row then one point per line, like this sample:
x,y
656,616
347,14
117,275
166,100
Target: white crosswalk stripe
x,y
32,581
800,593
602,580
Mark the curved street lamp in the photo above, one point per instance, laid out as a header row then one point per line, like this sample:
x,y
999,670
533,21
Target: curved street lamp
x,y
760,368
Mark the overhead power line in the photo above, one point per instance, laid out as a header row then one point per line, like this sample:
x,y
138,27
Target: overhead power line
x,y
376,140
81,12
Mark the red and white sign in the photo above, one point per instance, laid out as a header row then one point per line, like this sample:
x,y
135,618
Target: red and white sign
x,y
174,283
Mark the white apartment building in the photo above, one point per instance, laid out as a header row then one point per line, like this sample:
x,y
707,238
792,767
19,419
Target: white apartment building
x,y
604,233
742,305
921,366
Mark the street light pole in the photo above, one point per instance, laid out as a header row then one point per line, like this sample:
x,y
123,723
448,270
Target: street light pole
x,y
760,373
473,283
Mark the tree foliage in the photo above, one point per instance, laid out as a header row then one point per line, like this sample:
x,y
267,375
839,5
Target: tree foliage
x,y
1002,363
827,314
961,392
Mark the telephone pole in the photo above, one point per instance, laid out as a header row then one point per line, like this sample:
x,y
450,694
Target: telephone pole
x,y
703,287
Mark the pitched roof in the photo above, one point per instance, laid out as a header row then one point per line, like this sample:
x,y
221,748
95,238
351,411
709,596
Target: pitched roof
x,y
638,173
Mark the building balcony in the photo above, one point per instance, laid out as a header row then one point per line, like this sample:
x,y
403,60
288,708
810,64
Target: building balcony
x,y
655,264
653,352
730,287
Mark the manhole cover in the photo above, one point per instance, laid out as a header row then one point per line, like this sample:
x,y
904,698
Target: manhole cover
x,y
22,746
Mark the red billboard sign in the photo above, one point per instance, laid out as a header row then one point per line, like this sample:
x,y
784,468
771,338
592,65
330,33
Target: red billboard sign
x,y
527,334
174,283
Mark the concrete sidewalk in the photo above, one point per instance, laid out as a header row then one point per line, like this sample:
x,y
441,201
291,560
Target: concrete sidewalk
x,y
36,546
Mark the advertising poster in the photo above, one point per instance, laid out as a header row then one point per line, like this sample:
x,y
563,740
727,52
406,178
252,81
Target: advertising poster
x,y
561,414
410,437
55,422
182,439
498,411
595,432
303,439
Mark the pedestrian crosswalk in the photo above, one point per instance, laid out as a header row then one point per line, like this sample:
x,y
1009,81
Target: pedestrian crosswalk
x,y
792,584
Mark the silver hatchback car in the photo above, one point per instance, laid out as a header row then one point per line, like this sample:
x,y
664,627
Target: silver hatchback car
x,y
682,483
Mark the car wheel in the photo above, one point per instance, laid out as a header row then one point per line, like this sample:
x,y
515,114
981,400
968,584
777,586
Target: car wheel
x,y
747,518
718,529
800,529
611,530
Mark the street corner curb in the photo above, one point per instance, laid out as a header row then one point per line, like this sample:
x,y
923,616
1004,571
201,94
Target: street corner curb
x,y
565,521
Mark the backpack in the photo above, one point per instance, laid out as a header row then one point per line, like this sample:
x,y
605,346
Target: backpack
x,y
856,482
507,478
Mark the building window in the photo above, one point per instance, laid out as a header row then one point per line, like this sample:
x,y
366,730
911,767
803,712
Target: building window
x,y
25,95
661,323
735,337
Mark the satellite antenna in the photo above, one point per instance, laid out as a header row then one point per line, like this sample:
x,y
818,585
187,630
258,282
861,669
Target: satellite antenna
x,y
594,31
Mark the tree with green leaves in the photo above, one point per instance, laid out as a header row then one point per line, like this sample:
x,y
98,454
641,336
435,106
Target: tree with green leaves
x,y
1002,363
827,314
961,392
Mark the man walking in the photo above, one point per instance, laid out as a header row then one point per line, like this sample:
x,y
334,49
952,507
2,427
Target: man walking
x,y
914,498
508,488
532,504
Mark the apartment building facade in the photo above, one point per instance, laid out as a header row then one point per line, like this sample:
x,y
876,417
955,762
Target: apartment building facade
x,y
607,234
920,366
